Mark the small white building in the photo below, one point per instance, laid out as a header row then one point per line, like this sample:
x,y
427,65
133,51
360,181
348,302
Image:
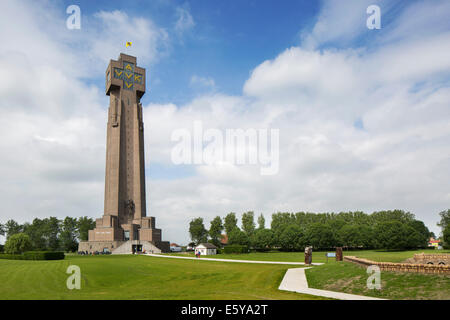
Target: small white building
x,y
206,249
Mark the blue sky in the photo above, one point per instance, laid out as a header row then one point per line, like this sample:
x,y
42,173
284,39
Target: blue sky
x,y
228,40
362,114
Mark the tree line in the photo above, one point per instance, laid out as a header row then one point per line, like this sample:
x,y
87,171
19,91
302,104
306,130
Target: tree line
x,y
391,229
51,233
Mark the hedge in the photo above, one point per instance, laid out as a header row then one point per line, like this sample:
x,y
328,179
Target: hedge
x,y
35,255
235,249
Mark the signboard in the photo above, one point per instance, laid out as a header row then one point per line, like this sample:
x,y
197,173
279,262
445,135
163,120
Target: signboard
x,y
330,255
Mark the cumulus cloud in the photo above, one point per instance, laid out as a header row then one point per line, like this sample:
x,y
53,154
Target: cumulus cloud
x,y
115,28
397,156
53,123
339,22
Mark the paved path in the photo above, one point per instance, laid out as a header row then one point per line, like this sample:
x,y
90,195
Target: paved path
x,y
295,280
230,260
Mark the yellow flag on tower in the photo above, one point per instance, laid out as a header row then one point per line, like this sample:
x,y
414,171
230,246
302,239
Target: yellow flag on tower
x,y
128,44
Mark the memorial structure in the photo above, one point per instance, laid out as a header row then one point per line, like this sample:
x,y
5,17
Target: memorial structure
x,y
308,255
124,226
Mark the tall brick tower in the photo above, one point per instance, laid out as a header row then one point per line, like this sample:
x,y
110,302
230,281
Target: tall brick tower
x,y
124,226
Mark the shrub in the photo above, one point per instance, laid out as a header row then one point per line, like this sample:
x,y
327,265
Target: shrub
x,y
18,243
35,255
235,249
11,256
44,255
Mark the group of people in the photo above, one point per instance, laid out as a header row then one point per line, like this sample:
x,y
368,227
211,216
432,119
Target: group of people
x,y
86,253
197,254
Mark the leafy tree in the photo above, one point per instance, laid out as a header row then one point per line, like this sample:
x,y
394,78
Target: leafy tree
x,y
396,235
350,236
237,236
215,230
389,235
320,236
84,224
197,231
280,221
263,238
336,224
17,243
261,222
423,233
230,222
446,236
37,233
291,238
355,236
2,230
11,227
445,219
69,234
52,230
366,236
413,238
248,223
392,215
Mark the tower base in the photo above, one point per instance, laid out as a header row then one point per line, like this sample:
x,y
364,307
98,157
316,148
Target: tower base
x,y
124,247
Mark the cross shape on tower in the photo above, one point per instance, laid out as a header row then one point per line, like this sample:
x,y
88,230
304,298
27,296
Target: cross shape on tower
x,y
128,75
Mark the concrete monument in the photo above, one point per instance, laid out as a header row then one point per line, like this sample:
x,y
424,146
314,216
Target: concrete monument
x,y
124,226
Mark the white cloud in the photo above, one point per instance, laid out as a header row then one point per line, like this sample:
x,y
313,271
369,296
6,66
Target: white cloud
x,y
116,28
399,159
338,22
53,125
202,82
185,21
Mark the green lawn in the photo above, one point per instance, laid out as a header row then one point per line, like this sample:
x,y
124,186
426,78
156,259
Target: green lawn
x,y
376,255
350,278
142,277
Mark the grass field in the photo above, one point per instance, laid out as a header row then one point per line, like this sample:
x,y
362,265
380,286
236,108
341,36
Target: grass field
x,y
142,277
350,278
375,255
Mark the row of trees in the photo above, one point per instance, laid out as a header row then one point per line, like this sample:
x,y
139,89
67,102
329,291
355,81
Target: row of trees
x,y
51,233
395,229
